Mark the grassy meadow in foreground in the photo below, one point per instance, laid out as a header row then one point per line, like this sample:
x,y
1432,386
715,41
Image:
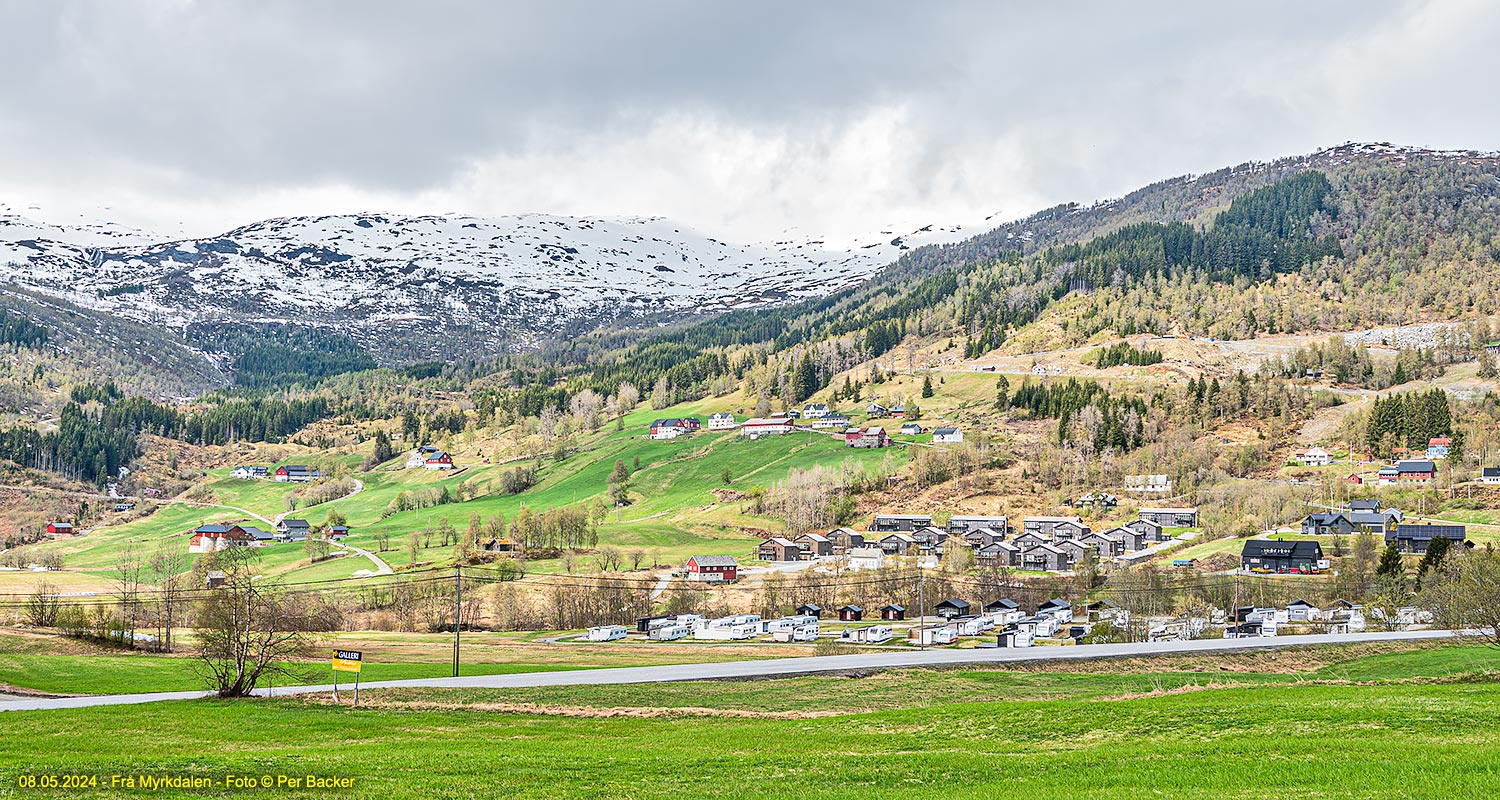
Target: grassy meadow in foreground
x,y
970,734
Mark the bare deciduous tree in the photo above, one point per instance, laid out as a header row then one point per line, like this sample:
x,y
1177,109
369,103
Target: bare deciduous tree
x,y
250,631
43,604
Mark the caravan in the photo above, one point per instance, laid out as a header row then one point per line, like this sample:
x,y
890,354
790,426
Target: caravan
x,y
606,633
874,634
670,632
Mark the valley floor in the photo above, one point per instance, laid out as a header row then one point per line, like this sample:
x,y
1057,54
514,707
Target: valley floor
x,y
1349,722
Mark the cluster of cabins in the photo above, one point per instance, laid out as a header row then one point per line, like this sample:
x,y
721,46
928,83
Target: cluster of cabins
x,y
1367,516
1046,544
224,535
286,473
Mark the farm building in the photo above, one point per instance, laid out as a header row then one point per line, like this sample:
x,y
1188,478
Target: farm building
x,y
912,429
721,421
1269,555
60,527
1438,447
295,473
713,569
867,437
438,460
1489,475
212,538
1171,517
669,428
774,426
1419,471
249,472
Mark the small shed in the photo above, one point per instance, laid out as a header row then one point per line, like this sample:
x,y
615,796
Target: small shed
x,y
810,610
893,611
952,607
851,613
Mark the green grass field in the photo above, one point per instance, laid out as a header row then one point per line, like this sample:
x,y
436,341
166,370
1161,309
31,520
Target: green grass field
x,y
1427,724
673,514
57,665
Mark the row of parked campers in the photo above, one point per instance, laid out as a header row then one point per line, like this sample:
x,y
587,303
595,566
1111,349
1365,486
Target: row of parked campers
x,y
801,628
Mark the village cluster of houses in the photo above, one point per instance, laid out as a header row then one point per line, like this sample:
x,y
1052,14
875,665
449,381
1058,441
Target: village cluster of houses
x,y
815,416
1404,471
286,473
1046,544
1367,516
222,536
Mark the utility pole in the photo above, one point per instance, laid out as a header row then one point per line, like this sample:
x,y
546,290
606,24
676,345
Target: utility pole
x,y
458,600
1235,578
921,607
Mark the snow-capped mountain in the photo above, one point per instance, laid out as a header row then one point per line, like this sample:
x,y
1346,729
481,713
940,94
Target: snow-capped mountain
x,y
433,286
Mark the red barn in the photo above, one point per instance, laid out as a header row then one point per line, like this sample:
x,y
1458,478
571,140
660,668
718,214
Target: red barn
x,y
60,527
713,569
866,437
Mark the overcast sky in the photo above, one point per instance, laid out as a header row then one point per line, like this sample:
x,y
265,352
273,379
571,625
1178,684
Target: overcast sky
x,y
744,119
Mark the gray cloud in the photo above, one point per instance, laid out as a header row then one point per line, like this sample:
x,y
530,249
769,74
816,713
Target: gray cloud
x,y
835,117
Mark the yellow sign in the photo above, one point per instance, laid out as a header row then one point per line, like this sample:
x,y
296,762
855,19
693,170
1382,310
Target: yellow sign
x,y
347,660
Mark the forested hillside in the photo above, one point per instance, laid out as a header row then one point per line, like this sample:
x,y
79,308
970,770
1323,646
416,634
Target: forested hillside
x,y
1357,236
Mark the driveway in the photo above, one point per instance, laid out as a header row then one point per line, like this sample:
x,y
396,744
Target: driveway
x,y
778,667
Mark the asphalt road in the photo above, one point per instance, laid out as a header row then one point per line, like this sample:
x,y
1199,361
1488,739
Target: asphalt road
x,y
772,668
